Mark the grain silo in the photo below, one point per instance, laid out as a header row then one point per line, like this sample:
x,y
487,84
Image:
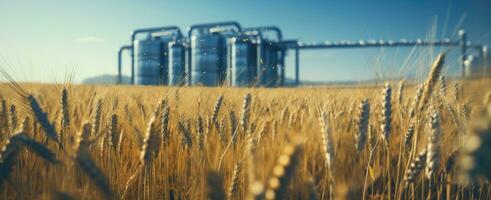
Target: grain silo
x,y
209,52
150,55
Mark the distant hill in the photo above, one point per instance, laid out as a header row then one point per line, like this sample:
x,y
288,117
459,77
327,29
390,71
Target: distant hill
x,y
106,79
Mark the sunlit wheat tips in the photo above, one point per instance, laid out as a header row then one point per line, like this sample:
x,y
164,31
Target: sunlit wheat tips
x,y
408,137
416,100
236,179
283,172
96,120
64,107
222,127
246,111
159,109
180,171
4,116
13,118
185,133
443,86
165,125
465,111
372,140
233,126
433,145
415,168
25,125
400,92
327,142
431,80
151,143
363,119
216,110
103,143
487,98
200,132
82,141
114,131
386,112
456,92
120,141
284,114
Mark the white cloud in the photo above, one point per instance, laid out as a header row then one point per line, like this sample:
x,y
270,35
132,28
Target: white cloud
x,y
89,39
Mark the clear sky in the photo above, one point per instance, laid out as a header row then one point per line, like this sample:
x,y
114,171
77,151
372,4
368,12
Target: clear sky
x,y
45,40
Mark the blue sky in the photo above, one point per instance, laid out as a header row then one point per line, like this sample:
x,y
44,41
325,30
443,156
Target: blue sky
x,y
46,40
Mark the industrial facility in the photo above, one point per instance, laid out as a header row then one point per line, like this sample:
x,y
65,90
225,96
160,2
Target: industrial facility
x,y
224,53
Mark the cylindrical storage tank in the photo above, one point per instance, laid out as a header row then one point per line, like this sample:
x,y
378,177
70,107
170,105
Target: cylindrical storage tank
x,y
269,64
208,59
177,63
150,61
487,60
473,65
243,69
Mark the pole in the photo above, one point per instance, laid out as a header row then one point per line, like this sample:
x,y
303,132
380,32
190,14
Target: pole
x,y
486,63
463,41
297,66
119,81
120,63
282,78
132,64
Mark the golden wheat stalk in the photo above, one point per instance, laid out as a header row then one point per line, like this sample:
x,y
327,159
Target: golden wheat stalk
x,y
13,118
327,142
415,168
150,145
186,137
65,120
443,86
363,119
165,125
433,146
400,92
216,110
386,113
96,120
246,111
234,184
431,80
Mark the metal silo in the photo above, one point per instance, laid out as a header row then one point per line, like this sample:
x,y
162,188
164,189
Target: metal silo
x,y
209,53
150,60
243,64
177,63
208,59
271,71
150,55
269,74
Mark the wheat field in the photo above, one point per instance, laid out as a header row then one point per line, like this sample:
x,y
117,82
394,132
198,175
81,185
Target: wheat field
x,y
393,140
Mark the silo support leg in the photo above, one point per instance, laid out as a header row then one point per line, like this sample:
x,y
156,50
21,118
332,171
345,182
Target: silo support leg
x,y
297,67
